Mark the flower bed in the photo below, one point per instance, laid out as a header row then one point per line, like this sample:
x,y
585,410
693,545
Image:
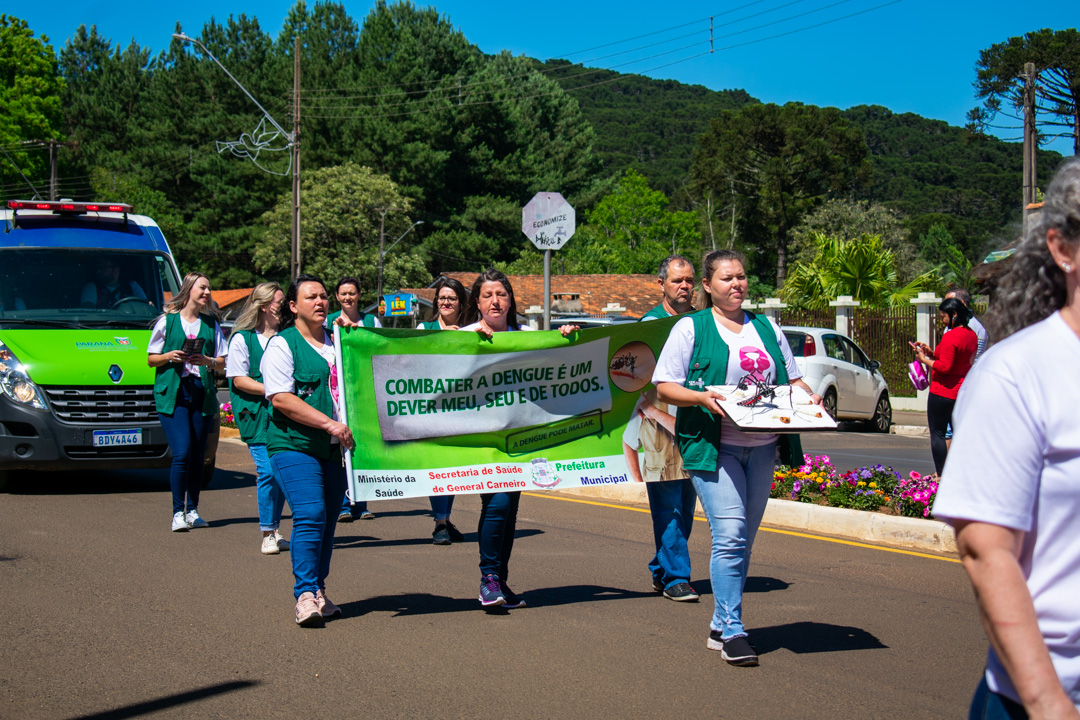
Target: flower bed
x,y
227,419
877,488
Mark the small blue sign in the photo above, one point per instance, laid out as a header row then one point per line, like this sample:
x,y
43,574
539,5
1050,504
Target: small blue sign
x,y
399,305
115,373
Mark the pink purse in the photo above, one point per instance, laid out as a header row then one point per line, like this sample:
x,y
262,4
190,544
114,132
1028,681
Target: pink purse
x,y
917,373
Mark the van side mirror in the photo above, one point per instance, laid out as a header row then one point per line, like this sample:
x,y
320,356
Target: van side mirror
x,y
874,365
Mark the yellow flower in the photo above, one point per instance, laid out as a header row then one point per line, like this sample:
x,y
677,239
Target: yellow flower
x,y
861,483
873,485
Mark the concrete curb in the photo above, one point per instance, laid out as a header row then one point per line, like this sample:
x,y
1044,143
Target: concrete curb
x,y
869,527
910,430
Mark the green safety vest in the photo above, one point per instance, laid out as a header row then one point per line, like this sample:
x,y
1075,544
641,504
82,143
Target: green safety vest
x,y
657,313
366,319
167,380
698,430
250,411
311,376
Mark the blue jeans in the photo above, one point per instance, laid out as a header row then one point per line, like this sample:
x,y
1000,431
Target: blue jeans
x,y
186,429
440,507
268,489
671,504
988,705
354,509
734,499
314,489
498,522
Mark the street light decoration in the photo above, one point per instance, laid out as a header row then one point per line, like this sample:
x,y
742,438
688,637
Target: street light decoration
x,y
261,139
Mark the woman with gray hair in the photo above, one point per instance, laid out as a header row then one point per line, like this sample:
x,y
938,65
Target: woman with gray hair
x,y
1011,484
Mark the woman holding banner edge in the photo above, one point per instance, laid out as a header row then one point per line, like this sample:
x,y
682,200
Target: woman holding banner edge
x,y
305,438
491,309
450,301
731,470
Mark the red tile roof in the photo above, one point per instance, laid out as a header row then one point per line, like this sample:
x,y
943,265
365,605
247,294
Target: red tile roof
x,y
225,298
637,293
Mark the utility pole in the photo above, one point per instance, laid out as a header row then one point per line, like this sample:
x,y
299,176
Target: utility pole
x,y
294,266
1030,140
382,242
54,189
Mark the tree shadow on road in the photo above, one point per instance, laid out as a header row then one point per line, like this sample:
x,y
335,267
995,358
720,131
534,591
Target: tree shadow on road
x,y
169,701
813,637
368,541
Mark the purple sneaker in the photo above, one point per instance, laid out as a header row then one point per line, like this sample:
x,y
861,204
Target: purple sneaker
x,y
491,592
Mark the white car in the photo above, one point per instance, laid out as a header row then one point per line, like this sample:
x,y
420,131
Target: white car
x,y
849,383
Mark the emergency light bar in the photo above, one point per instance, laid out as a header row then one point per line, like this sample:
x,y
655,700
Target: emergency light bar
x,y
68,206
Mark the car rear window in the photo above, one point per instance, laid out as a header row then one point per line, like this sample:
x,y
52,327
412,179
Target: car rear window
x,y
796,340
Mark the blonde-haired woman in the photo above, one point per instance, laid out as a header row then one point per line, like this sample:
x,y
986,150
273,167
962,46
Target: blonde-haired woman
x,y
258,322
184,392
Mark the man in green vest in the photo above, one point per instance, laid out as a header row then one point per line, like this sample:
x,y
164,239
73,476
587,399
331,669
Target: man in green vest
x,y
672,502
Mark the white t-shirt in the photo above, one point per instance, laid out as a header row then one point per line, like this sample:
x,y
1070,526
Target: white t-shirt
x,y
157,341
238,364
746,354
277,369
1015,462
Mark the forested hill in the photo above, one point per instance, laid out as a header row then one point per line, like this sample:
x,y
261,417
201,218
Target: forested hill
x,y
926,170
650,125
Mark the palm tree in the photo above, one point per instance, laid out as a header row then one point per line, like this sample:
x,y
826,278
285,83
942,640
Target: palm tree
x,y
862,268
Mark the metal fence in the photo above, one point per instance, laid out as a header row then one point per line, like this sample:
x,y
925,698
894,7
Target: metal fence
x,y
808,318
884,335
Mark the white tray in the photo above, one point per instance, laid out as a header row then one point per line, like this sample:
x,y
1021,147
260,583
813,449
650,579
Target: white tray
x,y
788,411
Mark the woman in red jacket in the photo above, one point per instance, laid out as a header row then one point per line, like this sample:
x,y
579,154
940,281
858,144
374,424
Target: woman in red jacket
x,y
949,363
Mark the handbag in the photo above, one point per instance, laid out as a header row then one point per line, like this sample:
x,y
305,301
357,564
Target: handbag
x,y
917,374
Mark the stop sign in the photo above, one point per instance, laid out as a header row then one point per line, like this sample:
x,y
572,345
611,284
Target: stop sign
x,y
548,221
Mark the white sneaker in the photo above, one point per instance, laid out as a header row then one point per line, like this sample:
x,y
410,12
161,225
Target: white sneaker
x,y
193,519
269,545
282,543
179,523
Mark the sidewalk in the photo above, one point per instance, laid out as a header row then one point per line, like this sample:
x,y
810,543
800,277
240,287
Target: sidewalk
x,y
907,422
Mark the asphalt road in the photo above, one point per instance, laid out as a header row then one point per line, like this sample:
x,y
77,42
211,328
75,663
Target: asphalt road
x,y
107,614
852,448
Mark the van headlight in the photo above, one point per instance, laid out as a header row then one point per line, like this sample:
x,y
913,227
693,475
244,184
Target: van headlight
x,y
15,383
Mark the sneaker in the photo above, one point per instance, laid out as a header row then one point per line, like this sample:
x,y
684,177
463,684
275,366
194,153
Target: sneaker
x,y
345,516
282,543
367,515
193,519
455,534
491,592
440,536
658,585
737,650
326,608
179,524
512,600
269,545
307,611
681,592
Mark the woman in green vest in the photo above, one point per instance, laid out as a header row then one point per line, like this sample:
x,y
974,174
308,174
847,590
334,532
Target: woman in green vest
x,y
186,344
347,295
731,470
258,322
450,300
305,439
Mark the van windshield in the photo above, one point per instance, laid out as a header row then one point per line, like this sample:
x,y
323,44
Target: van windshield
x,y
83,288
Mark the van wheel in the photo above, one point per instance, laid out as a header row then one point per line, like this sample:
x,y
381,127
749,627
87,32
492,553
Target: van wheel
x,y
829,402
208,470
882,419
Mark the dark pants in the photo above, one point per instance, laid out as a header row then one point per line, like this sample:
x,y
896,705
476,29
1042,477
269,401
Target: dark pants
x,y
440,507
498,521
938,417
671,504
186,429
987,705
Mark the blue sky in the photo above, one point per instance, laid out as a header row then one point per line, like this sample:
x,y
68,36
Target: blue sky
x,y
910,56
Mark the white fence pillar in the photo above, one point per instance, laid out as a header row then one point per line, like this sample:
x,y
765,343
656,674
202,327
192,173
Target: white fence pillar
x,y
613,308
535,316
771,307
926,313
845,307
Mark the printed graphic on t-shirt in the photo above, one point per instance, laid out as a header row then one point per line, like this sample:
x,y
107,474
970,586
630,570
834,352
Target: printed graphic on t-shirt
x,y
754,361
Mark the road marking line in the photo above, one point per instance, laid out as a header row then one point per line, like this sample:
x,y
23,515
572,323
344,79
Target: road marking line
x,y
853,543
